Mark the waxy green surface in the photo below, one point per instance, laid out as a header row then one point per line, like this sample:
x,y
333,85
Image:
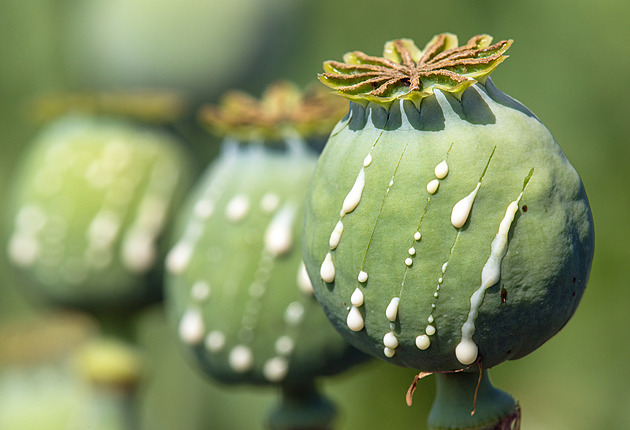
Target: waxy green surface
x,y
90,203
484,137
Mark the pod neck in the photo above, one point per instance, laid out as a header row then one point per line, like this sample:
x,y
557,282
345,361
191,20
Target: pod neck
x,y
469,401
302,407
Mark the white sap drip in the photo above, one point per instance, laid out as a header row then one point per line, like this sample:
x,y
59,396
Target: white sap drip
x,y
355,319
433,186
335,236
200,291
284,345
278,237
276,369
357,298
392,309
467,351
303,281
462,208
354,196
367,160
241,359
269,202
191,327
441,170
237,208
138,250
390,340
103,229
363,276
327,271
24,246
423,342
215,341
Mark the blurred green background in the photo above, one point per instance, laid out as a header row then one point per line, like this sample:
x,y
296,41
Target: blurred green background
x,y
567,65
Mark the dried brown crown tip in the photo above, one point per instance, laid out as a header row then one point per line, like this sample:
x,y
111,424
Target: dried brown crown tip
x,y
406,72
283,106
148,105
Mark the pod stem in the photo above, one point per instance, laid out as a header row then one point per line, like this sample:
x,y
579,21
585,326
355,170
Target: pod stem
x,y
469,401
302,407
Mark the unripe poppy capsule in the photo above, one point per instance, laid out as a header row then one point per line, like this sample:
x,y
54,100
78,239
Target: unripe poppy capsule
x,y
439,166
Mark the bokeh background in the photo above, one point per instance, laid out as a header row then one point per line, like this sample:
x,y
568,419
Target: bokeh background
x,y
568,65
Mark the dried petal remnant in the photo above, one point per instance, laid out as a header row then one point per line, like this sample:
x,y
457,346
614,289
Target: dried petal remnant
x,y
406,72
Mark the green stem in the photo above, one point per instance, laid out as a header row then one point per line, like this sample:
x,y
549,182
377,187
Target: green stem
x,y
455,402
302,408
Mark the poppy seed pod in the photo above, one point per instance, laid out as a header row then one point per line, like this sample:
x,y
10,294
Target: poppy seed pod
x,y
444,226
90,203
236,284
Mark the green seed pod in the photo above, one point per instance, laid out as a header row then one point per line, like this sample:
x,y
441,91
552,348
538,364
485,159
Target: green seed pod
x,y
236,284
444,226
90,203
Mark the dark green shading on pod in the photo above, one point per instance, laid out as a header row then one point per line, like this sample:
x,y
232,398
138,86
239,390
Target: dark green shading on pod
x,y
236,285
444,226
91,201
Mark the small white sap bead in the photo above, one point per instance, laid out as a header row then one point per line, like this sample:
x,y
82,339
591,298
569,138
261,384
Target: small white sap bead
x,y
237,207
363,276
390,340
178,258
392,309
269,202
423,342
357,298
191,327
391,183
355,319
276,369
327,271
430,319
284,345
215,341
417,236
441,170
241,359
408,261
335,236
24,249
367,160
412,251
200,291
433,186
203,208
430,330
389,353
294,313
